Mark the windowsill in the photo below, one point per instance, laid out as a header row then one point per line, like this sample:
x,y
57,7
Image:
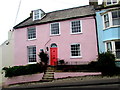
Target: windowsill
x,y
117,60
111,4
111,27
72,57
76,33
32,62
31,39
54,35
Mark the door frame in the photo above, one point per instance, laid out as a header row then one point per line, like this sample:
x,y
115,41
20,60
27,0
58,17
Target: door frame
x,y
53,46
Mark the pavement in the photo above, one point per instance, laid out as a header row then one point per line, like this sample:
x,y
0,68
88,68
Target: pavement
x,y
71,81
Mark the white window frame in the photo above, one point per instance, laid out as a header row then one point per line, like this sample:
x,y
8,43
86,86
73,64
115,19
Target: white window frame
x,y
51,29
36,15
110,20
116,50
29,55
106,46
32,38
104,20
111,2
114,18
113,47
79,50
71,27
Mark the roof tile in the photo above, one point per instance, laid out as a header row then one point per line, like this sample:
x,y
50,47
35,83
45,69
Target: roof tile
x,y
59,15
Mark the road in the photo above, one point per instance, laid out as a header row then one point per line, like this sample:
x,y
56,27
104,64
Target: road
x,y
106,84
90,87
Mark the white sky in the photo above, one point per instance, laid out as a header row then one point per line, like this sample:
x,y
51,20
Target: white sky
x,y
8,11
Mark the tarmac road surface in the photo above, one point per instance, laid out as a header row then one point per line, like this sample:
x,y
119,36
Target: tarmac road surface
x,y
106,84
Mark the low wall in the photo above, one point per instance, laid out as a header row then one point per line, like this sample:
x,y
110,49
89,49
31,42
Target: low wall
x,y
38,77
24,78
73,74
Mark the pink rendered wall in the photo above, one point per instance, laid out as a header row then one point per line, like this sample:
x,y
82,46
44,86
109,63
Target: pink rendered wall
x,y
24,78
87,39
58,75
38,77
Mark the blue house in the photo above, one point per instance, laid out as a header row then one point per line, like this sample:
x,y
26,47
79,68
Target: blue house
x,y
108,27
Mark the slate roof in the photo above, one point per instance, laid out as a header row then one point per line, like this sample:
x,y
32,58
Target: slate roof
x,y
59,15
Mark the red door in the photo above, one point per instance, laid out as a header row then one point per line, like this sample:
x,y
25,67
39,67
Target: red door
x,y
53,56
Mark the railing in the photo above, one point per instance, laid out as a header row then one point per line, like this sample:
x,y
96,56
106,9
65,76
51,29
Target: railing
x,y
77,62
63,62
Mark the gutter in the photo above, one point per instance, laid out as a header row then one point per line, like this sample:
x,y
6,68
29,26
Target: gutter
x,y
17,26
106,7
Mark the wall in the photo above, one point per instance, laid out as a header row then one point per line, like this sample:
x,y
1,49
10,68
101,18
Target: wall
x,y
7,50
87,39
100,31
38,77
7,53
111,33
58,75
0,66
24,79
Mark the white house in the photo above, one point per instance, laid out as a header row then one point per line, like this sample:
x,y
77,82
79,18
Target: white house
x,y
6,55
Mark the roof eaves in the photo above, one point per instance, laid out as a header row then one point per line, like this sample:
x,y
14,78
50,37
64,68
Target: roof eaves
x,y
15,27
100,8
53,21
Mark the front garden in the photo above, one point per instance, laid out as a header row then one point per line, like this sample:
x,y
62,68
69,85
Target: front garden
x,y
105,65
24,70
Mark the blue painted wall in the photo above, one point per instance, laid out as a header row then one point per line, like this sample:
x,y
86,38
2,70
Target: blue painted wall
x,y
105,34
100,31
111,33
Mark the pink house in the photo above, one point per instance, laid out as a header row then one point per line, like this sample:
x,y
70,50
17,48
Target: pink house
x,y
68,35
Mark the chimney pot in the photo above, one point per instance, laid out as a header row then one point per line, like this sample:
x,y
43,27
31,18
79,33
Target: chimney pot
x,y
93,2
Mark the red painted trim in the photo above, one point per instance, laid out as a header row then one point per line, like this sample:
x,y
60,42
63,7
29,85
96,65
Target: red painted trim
x,y
53,56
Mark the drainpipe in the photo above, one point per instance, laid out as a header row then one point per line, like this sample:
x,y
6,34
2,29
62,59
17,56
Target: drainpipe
x,y
96,33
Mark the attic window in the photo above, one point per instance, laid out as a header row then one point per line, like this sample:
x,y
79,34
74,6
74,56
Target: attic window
x,y
111,2
36,14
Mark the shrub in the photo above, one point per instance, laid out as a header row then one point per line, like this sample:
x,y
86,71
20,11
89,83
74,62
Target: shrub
x,y
92,64
106,63
23,70
61,62
43,57
76,68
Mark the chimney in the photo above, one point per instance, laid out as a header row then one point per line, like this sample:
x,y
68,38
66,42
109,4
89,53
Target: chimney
x,y
31,14
93,2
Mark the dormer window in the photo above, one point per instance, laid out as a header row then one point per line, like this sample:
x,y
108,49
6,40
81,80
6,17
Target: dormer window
x,y
111,2
38,14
